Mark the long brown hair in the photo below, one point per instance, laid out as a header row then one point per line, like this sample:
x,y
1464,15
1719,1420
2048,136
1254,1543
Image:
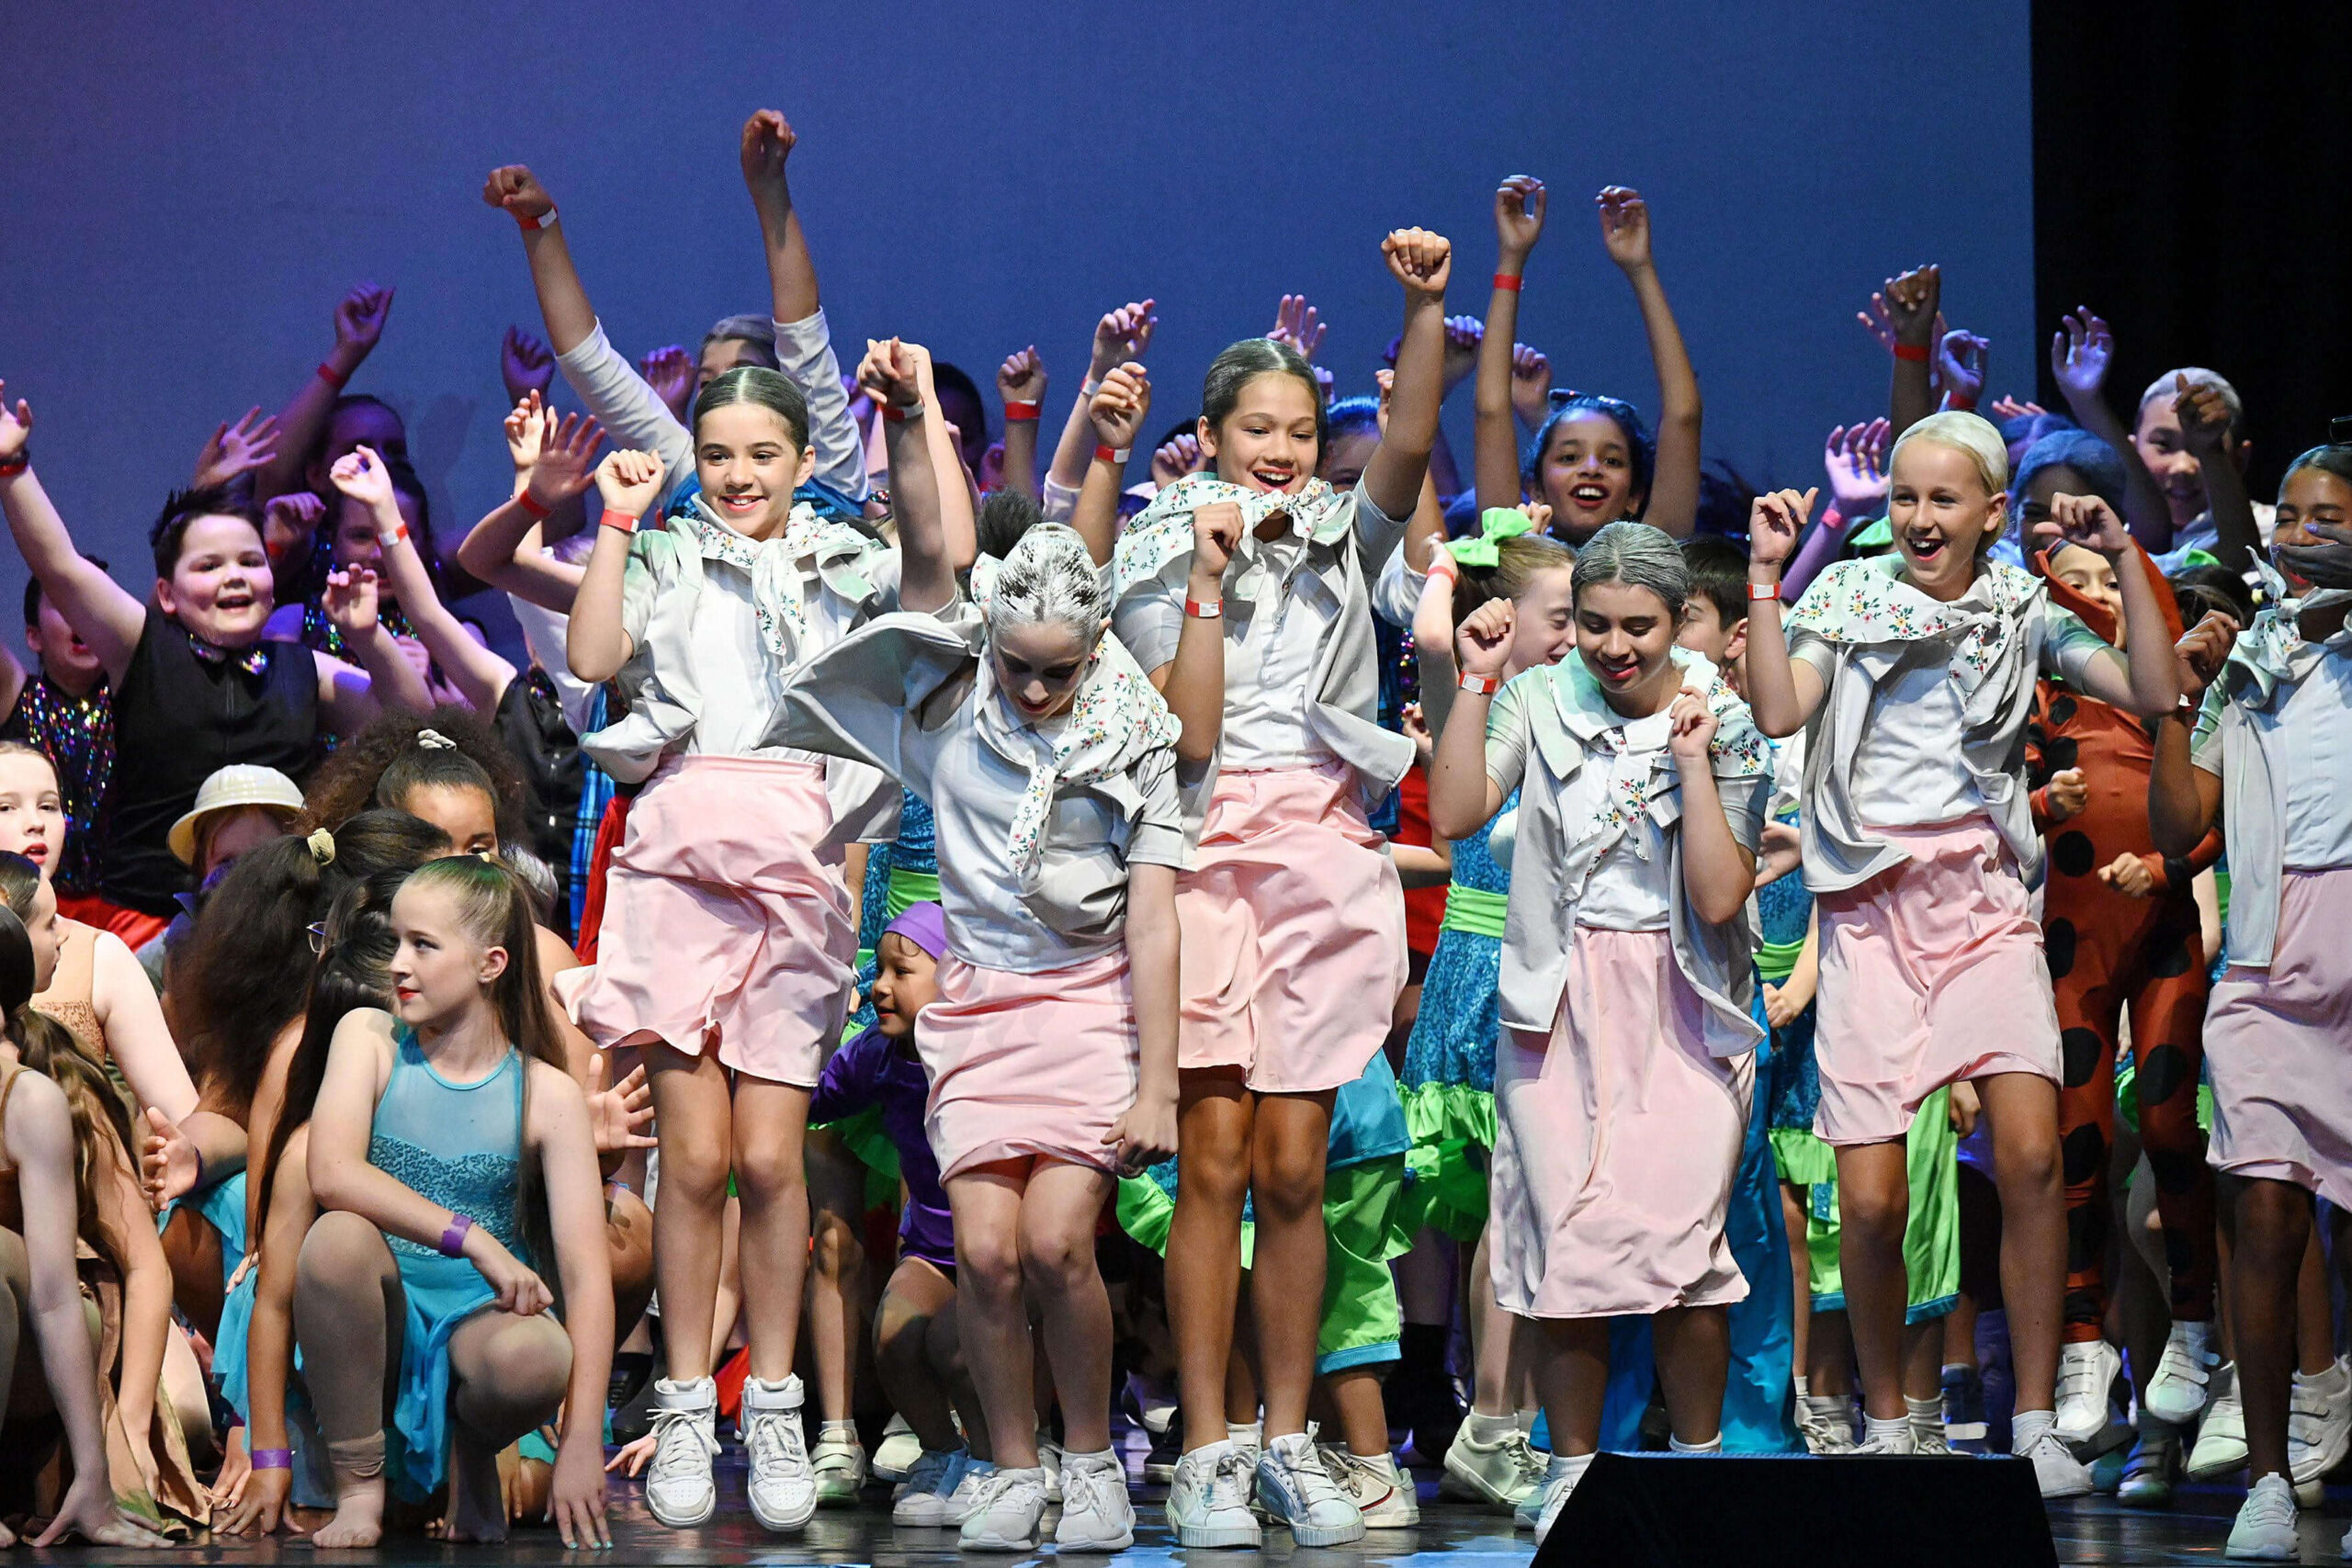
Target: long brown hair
x,y
495,910
49,1048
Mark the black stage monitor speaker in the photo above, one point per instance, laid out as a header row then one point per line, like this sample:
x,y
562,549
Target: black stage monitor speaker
x,y
1755,1511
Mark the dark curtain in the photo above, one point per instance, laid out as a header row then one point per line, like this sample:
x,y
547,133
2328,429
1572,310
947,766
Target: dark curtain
x,y
2192,182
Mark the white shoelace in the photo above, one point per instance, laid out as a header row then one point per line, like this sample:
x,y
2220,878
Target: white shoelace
x,y
776,1444
678,1441
2269,1505
1229,1483
1530,1464
1314,1482
1085,1490
1000,1482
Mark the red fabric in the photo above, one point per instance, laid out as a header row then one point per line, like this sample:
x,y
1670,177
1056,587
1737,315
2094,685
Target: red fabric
x,y
600,859
135,928
1424,907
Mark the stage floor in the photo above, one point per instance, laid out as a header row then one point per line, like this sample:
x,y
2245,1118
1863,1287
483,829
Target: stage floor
x,y
2091,1531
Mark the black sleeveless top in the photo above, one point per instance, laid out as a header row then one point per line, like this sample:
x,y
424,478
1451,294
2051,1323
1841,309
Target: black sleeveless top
x,y
184,710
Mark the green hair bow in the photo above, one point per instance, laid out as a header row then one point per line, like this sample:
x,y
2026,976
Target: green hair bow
x,y
1495,524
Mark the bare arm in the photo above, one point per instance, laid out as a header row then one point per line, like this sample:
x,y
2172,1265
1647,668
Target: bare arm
x,y
1120,337
1782,692
269,1341
39,1131
351,698
1421,261
2205,427
2081,353
1151,958
2143,683
1910,302
93,604
1674,482
481,676
1519,223
302,423
1115,415
1194,680
2184,800
1463,797
891,373
559,1137
595,642
1718,872
146,1297
1021,385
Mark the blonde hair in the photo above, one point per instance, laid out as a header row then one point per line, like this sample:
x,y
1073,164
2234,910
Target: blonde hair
x,y
1967,433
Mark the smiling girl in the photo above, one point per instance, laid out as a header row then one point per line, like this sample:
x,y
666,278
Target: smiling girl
x,y
1244,594
727,932
195,685
1912,675
1622,1084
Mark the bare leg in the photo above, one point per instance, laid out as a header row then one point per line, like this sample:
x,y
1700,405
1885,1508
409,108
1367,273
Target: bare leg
x,y
1288,1149
1571,1378
944,1342
2023,1110
916,1294
2314,1316
2272,1229
349,1315
1792,1217
690,1102
993,1321
1213,1118
1491,1339
1693,1360
771,1119
507,1376
837,1269
1058,1214
1361,1414
628,1238
1873,1204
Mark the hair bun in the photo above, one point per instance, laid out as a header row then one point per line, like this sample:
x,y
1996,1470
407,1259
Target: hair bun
x,y
434,740
321,844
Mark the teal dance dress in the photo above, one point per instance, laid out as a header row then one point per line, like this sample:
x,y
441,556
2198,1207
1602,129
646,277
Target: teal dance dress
x,y
1448,1081
458,1145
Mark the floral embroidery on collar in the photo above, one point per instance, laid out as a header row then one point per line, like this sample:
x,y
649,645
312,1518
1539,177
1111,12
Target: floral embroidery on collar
x,y
2271,651
1866,602
1162,532
777,597
1638,776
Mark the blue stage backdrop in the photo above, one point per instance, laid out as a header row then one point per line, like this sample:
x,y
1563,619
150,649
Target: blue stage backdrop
x,y
191,188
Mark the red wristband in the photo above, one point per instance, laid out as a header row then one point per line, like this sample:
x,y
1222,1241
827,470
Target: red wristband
x,y
1759,591
1912,353
544,221
898,414
393,535
327,372
1480,685
11,467
530,504
1508,280
620,520
1204,609
1961,404
1020,413
1106,454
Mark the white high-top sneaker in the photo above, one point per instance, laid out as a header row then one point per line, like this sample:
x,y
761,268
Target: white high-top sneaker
x,y
679,1489
781,1484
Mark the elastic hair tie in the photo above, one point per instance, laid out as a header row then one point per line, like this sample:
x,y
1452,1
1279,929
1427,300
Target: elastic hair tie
x,y
322,844
434,740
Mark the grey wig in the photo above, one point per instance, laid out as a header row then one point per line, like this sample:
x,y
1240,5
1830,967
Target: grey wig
x,y
1638,555
1049,576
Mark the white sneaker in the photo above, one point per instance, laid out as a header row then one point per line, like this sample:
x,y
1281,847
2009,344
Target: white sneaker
x,y
1006,1514
2147,1474
1208,1502
2184,1379
781,1485
2087,1371
1097,1514
1929,1442
839,1465
971,1482
1503,1473
2319,1429
1049,1460
1557,1484
2220,1436
2056,1469
2264,1531
1298,1492
1826,1422
679,1489
1380,1491
921,1500
1902,1441
898,1451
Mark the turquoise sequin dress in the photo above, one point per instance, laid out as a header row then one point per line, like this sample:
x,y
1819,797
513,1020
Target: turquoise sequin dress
x,y
1448,1081
459,1146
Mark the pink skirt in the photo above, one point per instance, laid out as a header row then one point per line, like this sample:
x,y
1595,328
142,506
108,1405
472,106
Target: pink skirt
x,y
1930,973
1616,1140
1029,1066
726,920
2280,1044
1292,926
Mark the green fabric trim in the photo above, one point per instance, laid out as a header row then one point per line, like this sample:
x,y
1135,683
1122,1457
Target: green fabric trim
x,y
862,1135
1146,1210
1473,909
1453,1125
908,887
1880,533
1802,1160
1776,961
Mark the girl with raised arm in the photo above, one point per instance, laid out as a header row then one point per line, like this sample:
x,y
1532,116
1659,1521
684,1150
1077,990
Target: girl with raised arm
x,y
1621,1087
1593,461
1913,676
195,685
1050,764
2263,763
727,932
451,1158
1245,595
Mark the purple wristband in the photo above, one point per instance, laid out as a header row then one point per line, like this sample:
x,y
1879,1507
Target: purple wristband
x,y
272,1459
453,1240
